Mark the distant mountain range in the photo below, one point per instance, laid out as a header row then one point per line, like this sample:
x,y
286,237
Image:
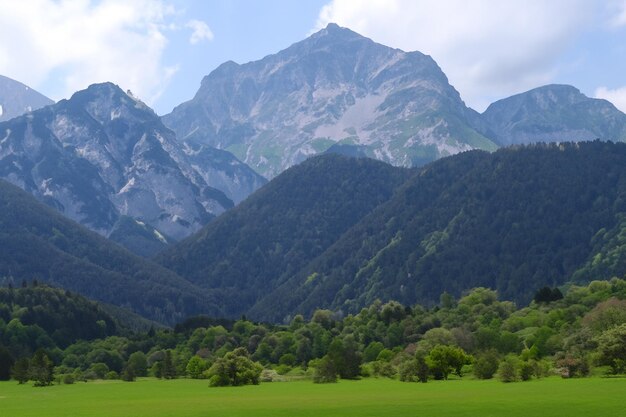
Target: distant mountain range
x,y
17,99
106,160
338,90
334,87
554,113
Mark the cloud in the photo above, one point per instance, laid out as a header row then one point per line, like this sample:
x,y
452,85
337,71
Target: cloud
x,y
616,96
81,42
201,31
488,49
617,10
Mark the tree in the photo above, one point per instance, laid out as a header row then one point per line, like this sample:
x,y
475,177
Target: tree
x,y
40,369
612,349
443,360
195,367
169,369
6,362
235,369
422,369
547,295
128,374
20,371
325,371
346,357
139,363
486,365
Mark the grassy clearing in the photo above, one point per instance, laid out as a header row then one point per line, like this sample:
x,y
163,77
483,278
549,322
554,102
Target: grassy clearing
x,y
369,397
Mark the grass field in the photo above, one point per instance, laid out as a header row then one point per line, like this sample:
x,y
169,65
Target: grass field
x,y
368,397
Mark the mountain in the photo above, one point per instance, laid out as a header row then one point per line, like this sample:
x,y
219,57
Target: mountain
x,y
252,249
103,154
515,220
38,243
17,99
554,113
334,87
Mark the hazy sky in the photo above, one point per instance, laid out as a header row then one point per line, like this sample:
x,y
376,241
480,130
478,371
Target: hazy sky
x,y
161,49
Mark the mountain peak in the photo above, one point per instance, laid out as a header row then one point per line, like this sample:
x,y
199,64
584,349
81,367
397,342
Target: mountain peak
x,y
554,113
335,32
17,99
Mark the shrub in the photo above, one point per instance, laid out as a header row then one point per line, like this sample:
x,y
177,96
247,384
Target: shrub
x,y
507,371
486,365
325,371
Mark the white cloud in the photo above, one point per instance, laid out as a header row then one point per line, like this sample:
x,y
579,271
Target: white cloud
x,y
488,49
200,31
617,11
616,96
80,42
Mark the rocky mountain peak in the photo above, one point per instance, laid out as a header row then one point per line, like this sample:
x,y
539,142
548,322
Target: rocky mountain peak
x,y
554,113
335,87
17,99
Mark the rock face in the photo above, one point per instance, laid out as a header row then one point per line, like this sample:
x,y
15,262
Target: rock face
x,y
17,99
335,87
104,154
554,113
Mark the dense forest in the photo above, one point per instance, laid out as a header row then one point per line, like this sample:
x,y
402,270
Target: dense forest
x,y
573,332
337,233
245,254
38,243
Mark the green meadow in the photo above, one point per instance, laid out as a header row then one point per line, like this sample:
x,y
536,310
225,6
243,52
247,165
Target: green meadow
x,y
367,397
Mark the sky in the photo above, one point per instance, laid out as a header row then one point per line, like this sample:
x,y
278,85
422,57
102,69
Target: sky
x,y
161,49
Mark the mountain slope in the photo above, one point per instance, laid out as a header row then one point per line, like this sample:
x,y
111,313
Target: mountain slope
x,y
103,154
17,99
554,113
514,220
250,250
334,87
39,243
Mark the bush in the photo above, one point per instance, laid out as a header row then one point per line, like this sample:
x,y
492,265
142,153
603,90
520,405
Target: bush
x,y
112,375
408,370
68,379
526,370
507,371
325,372
486,365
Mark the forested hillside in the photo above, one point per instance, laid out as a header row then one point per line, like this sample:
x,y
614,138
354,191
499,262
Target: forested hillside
x,y
514,220
249,251
38,243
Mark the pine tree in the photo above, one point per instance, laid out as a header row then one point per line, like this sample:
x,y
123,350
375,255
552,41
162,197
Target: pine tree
x,y
20,371
40,369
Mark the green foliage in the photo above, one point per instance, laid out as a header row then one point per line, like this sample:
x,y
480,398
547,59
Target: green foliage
x,y
40,369
443,360
612,349
547,295
507,371
6,362
235,369
39,242
250,250
486,365
195,367
514,221
325,371
20,371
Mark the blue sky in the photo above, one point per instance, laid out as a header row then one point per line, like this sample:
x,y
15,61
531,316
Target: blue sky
x,y
161,49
